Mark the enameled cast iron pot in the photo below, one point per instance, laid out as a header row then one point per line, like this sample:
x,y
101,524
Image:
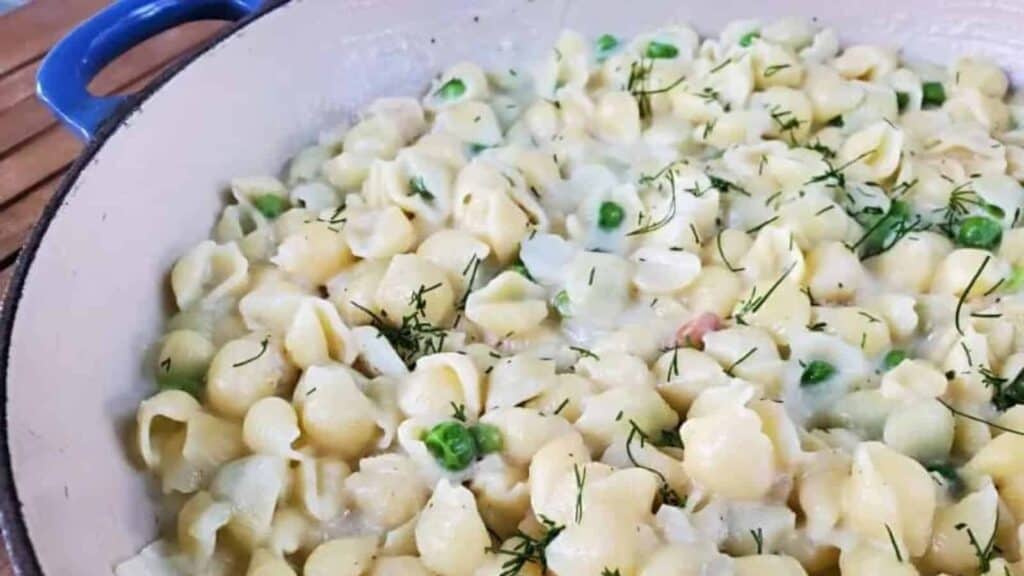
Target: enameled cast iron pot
x,y
89,295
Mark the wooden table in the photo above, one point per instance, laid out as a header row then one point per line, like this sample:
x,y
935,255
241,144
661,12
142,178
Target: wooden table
x,y
34,150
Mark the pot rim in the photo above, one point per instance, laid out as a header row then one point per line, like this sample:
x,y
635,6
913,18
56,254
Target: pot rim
x,y
17,541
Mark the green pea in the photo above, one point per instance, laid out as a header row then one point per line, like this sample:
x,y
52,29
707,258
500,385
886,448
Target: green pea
x,y
561,304
979,232
451,89
452,445
747,39
885,233
933,94
610,215
902,99
816,372
605,44
663,50
270,205
893,358
181,382
487,438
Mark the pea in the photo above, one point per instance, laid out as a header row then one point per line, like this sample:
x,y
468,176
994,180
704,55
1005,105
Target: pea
x,y
561,304
605,44
451,89
747,39
895,220
487,438
179,382
452,445
979,232
610,215
893,358
816,372
270,205
661,50
932,94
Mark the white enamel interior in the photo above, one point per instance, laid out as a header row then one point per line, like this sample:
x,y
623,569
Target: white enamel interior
x,y
95,294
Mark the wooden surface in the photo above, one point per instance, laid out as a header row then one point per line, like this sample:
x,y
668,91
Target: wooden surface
x,y
34,150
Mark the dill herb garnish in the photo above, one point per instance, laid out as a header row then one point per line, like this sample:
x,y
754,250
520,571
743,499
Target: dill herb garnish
x,y
721,253
584,352
458,411
963,296
977,418
774,69
263,350
758,227
895,546
986,553
668,495
834,176
740,360
673,367
529,550
561,407
669,214
1006,392
418,188
581,480
758,536
755,302
415,336
609,572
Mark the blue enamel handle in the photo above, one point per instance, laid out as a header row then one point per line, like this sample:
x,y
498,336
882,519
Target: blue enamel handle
x,y
69,67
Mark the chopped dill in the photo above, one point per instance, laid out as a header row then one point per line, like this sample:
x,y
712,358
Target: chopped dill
x,y
758,536
740,360
963,296
585,353
668,495
263,350
415,336
721,253
895,546
581,480
529,550
755,302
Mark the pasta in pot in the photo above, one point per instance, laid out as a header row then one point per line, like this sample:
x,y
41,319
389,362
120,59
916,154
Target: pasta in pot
x,y
752,304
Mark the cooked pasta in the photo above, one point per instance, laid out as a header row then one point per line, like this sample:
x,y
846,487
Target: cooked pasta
x,y
742,305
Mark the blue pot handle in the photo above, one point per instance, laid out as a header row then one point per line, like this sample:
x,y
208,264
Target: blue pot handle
x,y
75,60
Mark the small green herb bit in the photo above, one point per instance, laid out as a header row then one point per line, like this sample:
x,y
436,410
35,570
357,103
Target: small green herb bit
x,y
902,99
519,268
948,476
932,94
661,50
451,89
836,121
1015,281
605,43
979,232
610,215
885,230
270,205
418,188
561,304
747,39
893,358
816,372
487,437
181,382
452,445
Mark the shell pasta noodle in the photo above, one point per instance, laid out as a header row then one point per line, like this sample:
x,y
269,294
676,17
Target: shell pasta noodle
x,y
750,304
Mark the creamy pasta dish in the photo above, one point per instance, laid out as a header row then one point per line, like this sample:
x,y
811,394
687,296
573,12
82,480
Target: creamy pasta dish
x,y
744,305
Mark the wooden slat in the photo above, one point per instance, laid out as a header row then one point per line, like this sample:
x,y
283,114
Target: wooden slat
x,y
29,116
20,216
29,31
18,85
5,277
37,160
